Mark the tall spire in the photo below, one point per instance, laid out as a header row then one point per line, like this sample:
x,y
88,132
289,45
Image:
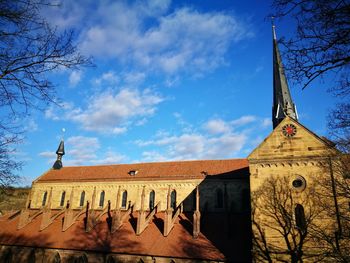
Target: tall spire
x,y
60,152
282,101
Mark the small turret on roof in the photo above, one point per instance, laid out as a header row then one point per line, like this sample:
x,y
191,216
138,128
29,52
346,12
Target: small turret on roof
x,y
60,152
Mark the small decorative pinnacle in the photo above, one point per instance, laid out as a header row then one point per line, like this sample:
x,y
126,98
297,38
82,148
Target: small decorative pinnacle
x,y
60,152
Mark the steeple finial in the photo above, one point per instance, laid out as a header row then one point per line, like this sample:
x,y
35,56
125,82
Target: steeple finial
x,y
60,152
273,28
282,101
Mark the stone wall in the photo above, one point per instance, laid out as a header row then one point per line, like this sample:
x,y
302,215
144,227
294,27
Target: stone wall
x,y
232,191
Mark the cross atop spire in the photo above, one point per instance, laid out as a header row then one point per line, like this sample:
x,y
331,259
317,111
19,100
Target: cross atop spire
x,y
282,101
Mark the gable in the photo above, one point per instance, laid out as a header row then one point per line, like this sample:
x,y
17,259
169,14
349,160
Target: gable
x,y
303,144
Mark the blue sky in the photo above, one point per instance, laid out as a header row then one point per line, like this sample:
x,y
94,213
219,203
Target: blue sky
x,y
174,80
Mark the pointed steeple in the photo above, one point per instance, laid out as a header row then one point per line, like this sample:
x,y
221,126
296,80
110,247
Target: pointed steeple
x,y
60,152
282,101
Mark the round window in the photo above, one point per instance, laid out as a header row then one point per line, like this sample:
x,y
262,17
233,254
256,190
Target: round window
x,y
299,183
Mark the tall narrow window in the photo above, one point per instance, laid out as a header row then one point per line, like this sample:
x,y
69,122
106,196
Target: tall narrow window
x,y
82,198
44,199
102,198
300,217
173,199
63,196
194,199
124,199
151,200
219,198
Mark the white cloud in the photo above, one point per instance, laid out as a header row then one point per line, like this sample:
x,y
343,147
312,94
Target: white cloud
x,y
75,77
111,112
266,122
110,158
48,154
82,150
109,78
134,77
194,146
243,120
216,126
182,40
216,139
31,125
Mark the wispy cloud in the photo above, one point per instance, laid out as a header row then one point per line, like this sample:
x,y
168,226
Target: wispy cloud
x,y
215,140
107,78
180,40
82,150
75,77
184,40
111,112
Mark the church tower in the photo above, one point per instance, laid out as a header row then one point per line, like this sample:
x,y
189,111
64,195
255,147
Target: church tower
x,y
282,101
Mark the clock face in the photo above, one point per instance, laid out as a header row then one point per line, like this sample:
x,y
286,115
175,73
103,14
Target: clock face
x,y
289,130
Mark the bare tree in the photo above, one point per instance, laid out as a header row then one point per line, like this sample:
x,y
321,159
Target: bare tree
x,y
282,222
322,41
339,126
334,191
8,165
30,50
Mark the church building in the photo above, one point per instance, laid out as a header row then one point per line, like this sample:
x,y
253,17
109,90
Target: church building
x,y
178,211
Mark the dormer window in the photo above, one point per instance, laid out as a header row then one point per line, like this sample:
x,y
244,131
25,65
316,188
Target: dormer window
x,y
133,172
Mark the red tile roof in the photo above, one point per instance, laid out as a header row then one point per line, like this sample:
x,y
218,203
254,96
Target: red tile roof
x,y
149,171
179,243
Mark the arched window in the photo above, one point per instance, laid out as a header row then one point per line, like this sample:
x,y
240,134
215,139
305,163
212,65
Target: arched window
x,y
151,199
300,217
56,258
44,199
173,199
219,198
63,196
82,198
102,198
124,199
